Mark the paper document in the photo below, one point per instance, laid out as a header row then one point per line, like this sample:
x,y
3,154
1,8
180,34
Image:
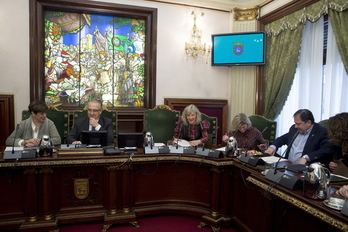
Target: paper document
x,y
15,148
221,149
272,159
159,144
338,178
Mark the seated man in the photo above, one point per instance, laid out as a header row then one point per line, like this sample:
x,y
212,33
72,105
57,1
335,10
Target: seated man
x,y
307,141
94,122
31,130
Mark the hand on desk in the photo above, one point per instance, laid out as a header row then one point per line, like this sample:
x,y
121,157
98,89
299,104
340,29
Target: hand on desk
x,y
270,151
262,147
343,191
333,166
32,142
194,143
76,142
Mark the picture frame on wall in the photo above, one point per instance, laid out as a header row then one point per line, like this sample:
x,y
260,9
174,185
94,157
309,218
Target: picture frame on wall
x,y
85,50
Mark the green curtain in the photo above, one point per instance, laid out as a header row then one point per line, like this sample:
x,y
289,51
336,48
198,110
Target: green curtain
x,y
281,61
281,56
339,22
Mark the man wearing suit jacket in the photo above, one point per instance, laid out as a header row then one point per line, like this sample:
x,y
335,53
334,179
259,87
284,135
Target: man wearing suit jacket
x,y
307,141
94,122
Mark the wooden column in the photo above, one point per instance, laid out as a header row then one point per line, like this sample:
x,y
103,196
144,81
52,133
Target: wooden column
x,y
47,199
127,180
111,189
30,207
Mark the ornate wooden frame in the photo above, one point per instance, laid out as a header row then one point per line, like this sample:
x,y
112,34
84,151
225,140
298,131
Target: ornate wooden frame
x,y
36,41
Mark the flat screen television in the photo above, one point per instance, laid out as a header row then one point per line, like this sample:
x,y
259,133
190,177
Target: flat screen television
x,y
135,139
94,137
246,48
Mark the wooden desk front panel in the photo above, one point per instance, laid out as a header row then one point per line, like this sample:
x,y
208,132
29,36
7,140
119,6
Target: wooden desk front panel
x,y
59,190
260,205
187,185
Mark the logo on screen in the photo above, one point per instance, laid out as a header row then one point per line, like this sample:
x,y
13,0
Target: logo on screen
x,y
238,48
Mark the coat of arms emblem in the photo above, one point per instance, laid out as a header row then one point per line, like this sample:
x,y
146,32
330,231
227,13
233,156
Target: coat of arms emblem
x,y
238,48
81,188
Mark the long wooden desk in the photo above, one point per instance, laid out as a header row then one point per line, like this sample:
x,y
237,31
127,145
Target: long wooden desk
x,y
43,193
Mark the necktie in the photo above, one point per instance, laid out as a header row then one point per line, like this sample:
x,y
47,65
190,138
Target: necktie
x,y
93,128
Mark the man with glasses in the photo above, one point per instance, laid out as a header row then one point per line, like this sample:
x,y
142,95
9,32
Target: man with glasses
x,y
307,141
94,122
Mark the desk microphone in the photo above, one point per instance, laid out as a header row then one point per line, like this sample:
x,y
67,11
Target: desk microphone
x,y
290,182
288,148
14,139
21,154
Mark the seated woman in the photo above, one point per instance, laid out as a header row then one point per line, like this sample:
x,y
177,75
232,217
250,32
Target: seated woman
x,y
31,130
191,127
245,134
338,136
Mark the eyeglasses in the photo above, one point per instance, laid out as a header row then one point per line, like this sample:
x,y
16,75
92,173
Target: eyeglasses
x,y
92,111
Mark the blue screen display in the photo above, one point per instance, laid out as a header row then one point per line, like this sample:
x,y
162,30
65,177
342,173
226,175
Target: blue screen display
x,y
238,49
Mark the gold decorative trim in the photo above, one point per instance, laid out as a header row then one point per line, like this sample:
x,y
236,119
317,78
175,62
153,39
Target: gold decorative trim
x,y
33,218
112,211
103,161
246,14
299,204
48,217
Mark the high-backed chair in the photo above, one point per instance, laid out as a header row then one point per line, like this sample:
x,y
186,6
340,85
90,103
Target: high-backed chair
x,y
266,126
59,117
212,130
324,123
161,122
106,113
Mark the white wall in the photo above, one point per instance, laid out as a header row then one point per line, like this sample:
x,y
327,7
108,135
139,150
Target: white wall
x,y
176,77
14,50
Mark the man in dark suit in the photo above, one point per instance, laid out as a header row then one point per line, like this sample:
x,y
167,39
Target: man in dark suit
x,y
307,141
94,122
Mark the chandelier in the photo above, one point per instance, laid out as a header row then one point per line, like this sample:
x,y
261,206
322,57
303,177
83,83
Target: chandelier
x,y
195,49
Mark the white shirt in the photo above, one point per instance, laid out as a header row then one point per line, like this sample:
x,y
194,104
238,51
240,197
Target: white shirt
x,y
297,147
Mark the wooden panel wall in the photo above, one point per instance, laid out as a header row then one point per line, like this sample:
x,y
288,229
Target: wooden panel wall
x,y
6,117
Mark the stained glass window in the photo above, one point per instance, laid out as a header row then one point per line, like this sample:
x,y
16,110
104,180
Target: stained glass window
x,y
94,56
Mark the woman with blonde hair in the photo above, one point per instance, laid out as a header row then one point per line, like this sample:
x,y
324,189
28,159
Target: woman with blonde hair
x,y
191,127
246,135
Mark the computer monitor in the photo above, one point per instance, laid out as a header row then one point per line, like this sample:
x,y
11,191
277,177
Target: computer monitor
x,y
135,139
94,137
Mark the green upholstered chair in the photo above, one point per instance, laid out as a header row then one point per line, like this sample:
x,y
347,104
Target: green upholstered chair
x,y
261,123
106,114
212,130
324,123
161,122
59,117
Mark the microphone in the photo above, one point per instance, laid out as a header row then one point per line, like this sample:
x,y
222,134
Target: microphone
x,y
19,154
290,182
288,148
14,139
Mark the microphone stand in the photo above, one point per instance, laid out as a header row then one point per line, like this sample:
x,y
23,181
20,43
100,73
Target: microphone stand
x,y
288,148
14,139
290,182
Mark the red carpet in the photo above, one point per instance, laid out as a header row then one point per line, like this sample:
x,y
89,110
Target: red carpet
x,y
157,223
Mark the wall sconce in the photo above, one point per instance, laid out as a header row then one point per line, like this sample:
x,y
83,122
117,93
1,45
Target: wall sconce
x,y
195,49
